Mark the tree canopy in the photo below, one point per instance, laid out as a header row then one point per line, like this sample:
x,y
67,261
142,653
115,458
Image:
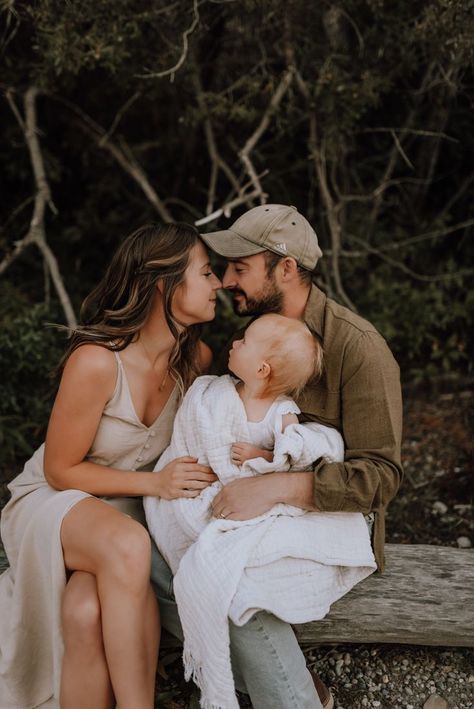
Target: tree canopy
x,y
358,112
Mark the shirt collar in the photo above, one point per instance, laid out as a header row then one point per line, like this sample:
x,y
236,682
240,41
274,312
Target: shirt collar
x,y
315,310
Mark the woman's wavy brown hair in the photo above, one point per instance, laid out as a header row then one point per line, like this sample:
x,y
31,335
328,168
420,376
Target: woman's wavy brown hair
x,y
113,314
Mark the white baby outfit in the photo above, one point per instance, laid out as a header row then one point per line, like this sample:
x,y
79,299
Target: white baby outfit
x,y
291,563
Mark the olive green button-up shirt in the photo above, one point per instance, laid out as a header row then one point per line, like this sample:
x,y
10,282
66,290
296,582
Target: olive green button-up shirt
x,y
360,395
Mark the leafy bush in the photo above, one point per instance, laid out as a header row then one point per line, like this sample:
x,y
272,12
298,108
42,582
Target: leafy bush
x,y
29,351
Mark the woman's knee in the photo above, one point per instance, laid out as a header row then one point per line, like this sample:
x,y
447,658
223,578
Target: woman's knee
x,y
129,553
81,615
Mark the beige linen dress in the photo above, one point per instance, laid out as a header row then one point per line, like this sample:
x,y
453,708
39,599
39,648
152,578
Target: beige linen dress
x,y
31,645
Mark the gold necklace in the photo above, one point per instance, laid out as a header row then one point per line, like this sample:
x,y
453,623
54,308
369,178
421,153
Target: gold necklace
x,y
152,363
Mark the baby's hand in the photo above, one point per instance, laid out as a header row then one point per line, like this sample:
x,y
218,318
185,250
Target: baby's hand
x,y
240,452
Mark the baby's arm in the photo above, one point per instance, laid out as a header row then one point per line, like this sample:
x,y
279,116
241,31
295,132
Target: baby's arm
x,y
240,452
287,419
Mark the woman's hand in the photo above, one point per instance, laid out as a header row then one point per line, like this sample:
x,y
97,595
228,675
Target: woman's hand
x,y
183,477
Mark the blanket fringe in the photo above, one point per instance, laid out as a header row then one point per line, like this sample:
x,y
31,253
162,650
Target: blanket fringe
x,y
194,671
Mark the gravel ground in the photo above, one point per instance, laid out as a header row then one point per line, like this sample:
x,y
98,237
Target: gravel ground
x,y
433,507
385,676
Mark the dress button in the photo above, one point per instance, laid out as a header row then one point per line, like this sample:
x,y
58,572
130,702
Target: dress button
x,y
147,445
139,458
152,433
133,469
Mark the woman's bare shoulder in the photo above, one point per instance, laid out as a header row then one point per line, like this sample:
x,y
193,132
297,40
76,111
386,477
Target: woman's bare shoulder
x,y
92,362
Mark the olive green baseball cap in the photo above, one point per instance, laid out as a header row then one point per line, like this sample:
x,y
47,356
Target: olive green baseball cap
x,y
273,227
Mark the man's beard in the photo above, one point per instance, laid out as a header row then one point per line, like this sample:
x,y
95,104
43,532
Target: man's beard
x,y
269,300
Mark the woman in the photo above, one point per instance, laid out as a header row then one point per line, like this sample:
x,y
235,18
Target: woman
x,y
79,557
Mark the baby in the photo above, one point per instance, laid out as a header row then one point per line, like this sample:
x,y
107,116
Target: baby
x,y
274,360
288,561
237,425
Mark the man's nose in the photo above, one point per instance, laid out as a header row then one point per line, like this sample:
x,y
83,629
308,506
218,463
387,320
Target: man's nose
x,y
228,279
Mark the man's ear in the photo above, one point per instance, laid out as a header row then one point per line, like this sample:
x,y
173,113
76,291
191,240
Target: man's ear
x,y
289,268
264,370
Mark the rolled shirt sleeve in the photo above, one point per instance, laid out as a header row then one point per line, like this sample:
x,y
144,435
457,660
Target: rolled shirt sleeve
x,y
371,425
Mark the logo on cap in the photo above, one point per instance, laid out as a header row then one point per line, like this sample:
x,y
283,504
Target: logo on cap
x,y
281,247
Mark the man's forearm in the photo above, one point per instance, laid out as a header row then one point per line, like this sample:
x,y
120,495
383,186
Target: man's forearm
x,y
294,489
357,485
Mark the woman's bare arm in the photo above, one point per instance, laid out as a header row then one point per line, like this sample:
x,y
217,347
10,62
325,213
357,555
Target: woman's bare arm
x,y
86,386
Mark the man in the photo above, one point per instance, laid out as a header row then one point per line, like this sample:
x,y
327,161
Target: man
x,y
272,252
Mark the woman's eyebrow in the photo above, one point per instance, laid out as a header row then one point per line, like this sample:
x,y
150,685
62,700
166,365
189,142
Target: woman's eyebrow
x,y
205,265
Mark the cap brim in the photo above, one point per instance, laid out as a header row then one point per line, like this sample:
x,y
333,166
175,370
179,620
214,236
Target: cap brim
x,y
231,245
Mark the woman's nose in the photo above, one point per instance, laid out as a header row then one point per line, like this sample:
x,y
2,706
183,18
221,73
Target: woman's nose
x,y
217,283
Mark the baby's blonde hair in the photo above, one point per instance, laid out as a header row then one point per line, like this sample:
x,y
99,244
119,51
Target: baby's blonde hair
x,y
294,355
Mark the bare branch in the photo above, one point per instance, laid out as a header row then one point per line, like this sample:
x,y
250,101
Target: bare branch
x,y
227,208
217,162
119,115
429,235
184,51
332,209
16,212
401,151
392,161
182,203
36,232
405,269
360,39
14,107
377,192
122,154
411,131
20,246
244,154
405,242
454,198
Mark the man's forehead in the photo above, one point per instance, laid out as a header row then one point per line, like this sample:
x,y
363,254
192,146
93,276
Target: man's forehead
x,y
246,260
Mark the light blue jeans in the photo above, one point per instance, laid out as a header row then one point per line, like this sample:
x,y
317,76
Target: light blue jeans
x,y
267,661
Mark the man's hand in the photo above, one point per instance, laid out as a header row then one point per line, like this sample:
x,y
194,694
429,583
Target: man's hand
x,y
240,452
251,497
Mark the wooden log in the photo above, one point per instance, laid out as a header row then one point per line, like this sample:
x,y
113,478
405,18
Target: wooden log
x,y
424,597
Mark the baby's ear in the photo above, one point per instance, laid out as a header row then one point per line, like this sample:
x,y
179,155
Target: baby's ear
x,y
264,370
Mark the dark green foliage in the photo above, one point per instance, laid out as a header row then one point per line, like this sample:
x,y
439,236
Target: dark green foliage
x,y
29,351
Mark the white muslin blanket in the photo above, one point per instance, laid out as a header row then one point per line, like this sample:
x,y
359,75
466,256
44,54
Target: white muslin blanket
x,y
292,563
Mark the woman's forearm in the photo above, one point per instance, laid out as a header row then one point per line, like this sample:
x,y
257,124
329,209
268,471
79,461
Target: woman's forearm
x,y
103,481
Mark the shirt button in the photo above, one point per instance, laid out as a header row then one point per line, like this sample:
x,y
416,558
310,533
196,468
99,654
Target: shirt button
x,y
147,445
152,433
139,458
133,469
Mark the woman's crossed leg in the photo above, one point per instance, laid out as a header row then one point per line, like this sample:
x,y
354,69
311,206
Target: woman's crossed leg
x,y
109,612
